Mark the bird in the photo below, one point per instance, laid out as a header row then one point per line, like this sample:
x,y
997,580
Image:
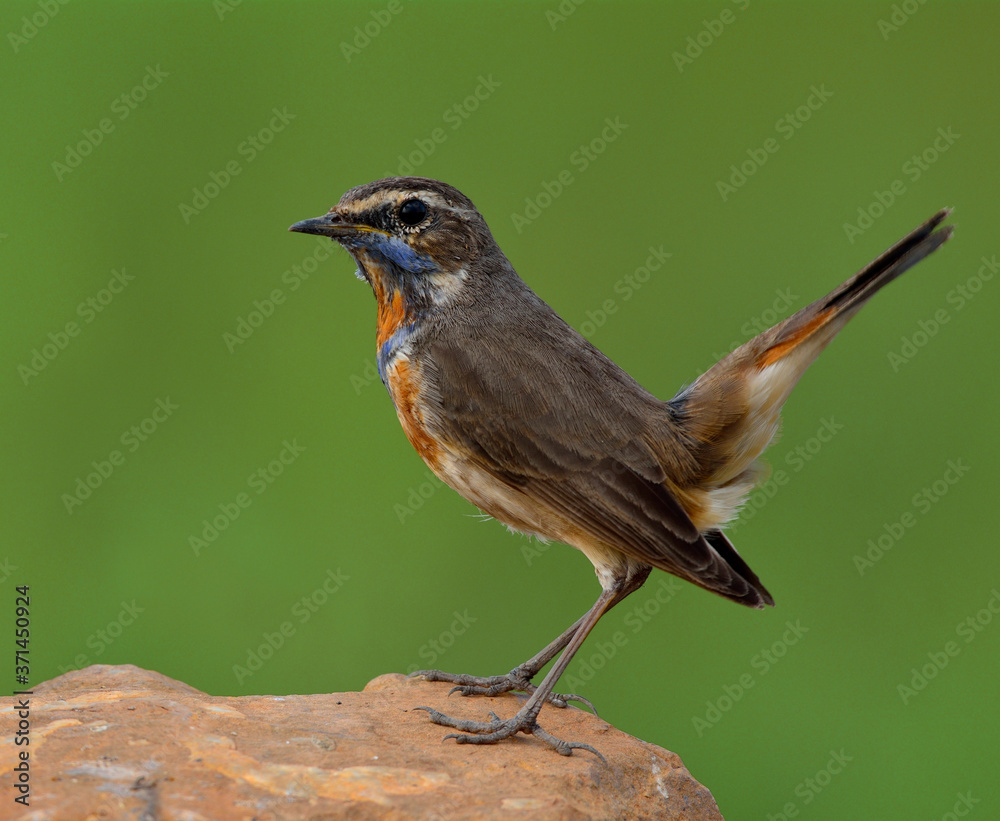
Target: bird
x,y
526,419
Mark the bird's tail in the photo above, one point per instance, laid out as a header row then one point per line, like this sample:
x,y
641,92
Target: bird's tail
x,y
731,413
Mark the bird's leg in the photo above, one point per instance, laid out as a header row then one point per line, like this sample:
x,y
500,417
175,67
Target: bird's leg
x,y
517,679
524,721
520,677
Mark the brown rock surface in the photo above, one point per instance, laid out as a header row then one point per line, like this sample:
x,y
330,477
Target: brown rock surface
x,y
122,742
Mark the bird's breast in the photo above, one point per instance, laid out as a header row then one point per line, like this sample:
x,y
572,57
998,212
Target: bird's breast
x,y
404,380
451,461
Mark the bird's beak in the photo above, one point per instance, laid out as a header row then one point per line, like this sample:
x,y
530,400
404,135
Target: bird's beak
x,y
329,225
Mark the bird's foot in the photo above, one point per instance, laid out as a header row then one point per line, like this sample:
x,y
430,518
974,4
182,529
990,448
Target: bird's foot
x,y
497,729
517,679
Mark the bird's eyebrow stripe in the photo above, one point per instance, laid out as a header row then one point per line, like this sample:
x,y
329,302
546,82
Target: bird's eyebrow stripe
x,y
379,199
370,203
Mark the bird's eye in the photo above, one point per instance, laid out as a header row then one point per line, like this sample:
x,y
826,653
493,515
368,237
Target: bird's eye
x,y
412,212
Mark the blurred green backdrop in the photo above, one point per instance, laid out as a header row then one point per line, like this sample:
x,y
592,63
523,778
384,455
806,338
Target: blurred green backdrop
x,y
217,369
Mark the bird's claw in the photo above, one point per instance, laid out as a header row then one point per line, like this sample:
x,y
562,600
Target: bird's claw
x,y
498,729
517,679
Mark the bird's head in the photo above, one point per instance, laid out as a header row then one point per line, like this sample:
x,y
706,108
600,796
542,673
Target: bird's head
x,y
410,236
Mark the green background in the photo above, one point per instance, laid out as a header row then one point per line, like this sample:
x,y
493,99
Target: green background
x,y
357,501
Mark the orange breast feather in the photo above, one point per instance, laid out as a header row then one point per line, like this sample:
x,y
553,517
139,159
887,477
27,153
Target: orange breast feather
x,y
391,315
404,384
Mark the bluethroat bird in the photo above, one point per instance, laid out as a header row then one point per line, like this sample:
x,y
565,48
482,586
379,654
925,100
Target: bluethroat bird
x,y
526,419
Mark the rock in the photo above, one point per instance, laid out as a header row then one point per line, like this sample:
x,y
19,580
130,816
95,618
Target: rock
x,y
125,743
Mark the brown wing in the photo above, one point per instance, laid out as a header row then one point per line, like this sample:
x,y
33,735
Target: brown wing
x,y
543,411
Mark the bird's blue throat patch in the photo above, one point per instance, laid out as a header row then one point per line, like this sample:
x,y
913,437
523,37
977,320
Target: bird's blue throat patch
x,y
400,254
400,270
